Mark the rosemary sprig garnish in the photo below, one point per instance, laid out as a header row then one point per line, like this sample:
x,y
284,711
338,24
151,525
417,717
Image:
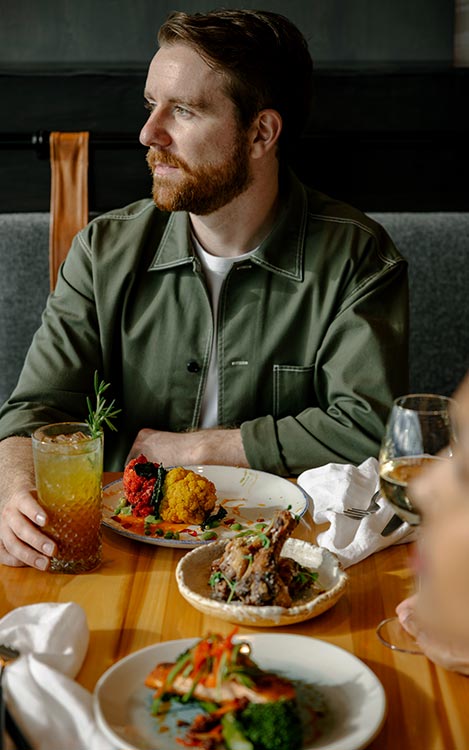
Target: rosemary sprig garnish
x,y
102,413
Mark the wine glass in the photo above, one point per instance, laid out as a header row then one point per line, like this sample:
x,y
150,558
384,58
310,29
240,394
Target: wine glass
x,y
419,432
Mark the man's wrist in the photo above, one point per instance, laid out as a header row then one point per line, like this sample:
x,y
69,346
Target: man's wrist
x,y
218,446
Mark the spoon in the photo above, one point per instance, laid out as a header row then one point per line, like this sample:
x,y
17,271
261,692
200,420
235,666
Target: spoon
x,y
7,655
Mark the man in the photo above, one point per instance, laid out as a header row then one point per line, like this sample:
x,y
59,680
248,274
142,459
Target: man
x,y
240,318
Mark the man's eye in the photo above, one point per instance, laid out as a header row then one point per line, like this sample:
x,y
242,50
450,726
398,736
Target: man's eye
x,y
149,105
182,111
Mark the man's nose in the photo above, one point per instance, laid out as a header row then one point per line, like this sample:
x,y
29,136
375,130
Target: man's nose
x,y
154,133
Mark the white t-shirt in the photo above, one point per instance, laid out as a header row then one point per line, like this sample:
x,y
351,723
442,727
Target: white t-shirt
x,y
215,271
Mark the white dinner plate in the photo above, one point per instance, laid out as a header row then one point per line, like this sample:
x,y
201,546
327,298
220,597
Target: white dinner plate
x,y
353,698
248,495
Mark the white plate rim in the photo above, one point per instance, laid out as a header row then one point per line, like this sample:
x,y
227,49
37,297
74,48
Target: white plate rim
x,y
278,658
206,470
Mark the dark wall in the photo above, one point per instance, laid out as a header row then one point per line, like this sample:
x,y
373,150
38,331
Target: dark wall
x,y
382,141
120,32
391,115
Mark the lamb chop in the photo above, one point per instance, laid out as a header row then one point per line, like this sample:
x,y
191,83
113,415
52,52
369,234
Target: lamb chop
x,y
251,570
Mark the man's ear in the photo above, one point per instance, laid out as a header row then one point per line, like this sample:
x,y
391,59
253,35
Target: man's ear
x,y
265,132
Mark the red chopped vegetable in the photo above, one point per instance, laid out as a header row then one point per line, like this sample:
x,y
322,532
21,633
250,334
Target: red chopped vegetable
x,y
138,489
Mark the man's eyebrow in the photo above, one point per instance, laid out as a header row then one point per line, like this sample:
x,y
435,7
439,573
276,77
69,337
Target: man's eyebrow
x,y
200,104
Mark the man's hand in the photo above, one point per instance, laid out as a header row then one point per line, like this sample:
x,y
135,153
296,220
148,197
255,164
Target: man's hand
x,y
223,447
21,517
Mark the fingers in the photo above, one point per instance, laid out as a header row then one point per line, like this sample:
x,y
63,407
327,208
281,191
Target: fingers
x,y
407,616
447,654
440,649
7,559
21,540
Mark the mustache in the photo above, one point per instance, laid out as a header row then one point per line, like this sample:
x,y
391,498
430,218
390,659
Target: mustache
x,y
163,157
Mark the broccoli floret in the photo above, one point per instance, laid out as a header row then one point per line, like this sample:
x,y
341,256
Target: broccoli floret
x,y
271,726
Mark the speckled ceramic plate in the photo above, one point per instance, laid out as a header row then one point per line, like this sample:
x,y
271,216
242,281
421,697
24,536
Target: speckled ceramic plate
x,y
249,496
193,574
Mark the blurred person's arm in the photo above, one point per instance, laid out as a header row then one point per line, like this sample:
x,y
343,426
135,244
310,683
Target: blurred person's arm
x,y
438,616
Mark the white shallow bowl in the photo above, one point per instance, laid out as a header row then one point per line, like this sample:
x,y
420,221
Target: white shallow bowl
x,y
193,574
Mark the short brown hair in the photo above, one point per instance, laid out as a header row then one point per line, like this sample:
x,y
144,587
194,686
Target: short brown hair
x,y
263,57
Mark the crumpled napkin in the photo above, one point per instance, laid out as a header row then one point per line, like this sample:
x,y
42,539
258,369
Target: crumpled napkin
x,y
334,487
52,710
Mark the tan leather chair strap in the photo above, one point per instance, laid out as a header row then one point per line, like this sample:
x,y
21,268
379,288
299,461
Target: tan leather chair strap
x,y
69,194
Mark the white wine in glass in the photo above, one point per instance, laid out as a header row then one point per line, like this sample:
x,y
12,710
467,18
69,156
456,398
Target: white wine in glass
x,y
418,433
394,478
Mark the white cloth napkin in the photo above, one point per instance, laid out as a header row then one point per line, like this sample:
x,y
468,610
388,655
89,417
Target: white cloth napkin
x,y
334,487
53,711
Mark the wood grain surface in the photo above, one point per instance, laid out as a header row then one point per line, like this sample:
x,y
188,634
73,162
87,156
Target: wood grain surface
x,y
132,601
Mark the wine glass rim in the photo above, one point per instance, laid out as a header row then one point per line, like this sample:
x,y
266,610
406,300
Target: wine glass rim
x,y
446,401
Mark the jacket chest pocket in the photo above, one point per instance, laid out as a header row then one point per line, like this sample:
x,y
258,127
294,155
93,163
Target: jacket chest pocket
x,y
293,390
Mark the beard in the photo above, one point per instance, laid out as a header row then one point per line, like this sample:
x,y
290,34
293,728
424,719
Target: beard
x,y
201,190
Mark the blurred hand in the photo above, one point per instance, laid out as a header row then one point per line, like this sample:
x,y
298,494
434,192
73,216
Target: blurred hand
x,y
450,653
438,616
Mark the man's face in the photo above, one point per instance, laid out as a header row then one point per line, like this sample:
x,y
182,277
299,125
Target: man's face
x,y
198,155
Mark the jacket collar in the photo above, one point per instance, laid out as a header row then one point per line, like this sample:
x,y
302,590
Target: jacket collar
x,y
281,252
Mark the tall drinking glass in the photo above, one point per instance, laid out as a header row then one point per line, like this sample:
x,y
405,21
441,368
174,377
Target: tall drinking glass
x,y
68,463
419,432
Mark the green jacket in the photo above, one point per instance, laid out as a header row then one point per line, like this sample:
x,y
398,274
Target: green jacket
x,y
312,342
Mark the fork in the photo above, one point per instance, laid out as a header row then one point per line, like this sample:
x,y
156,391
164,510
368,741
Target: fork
x,y
359,513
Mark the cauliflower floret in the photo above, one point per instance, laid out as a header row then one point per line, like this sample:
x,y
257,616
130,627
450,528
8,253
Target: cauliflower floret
x,y
187,497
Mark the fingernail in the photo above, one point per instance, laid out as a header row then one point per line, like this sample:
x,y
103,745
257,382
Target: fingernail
x,y
41,563
48,548
40,519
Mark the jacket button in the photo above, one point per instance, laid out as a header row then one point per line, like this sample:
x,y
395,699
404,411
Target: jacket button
x,y
193,366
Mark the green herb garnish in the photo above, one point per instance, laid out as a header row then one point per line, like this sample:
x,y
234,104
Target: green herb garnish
x,y
147,524
123,506
102,412
207,536
263,538
149,470
214,519
219,576
305,577
157,494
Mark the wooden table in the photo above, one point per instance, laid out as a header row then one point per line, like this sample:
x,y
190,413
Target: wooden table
x,y
132,601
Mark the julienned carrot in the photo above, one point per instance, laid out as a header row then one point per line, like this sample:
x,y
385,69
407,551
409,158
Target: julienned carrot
x,y
205,662
200,654
222,652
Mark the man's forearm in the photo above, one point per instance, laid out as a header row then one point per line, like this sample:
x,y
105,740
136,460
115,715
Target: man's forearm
x,y
218,446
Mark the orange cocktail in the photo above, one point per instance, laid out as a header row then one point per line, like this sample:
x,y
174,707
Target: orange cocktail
x,y
68,463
